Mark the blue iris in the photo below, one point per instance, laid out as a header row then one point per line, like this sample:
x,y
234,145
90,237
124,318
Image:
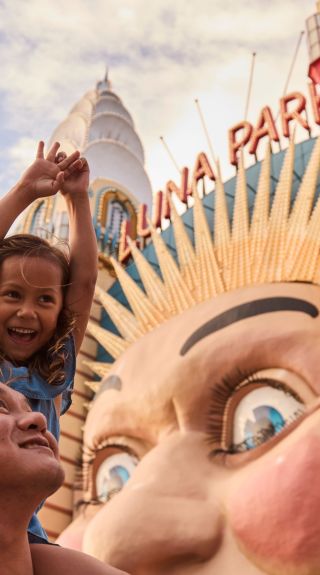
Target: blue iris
x,y
268,421
120,472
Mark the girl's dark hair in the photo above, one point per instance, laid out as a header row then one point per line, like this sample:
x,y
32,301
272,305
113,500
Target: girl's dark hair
x,y
49,360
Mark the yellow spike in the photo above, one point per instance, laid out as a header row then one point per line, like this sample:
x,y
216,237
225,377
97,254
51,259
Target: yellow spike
x,y
88,404
144,310
100,368
210,279
186,254
153,285
316,275
93,385
112,343
240,264
222,234
123,319
260,216
302,207
307,257
273,261
180,296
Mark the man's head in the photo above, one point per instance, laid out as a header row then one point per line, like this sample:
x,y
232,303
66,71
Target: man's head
x,y
30,467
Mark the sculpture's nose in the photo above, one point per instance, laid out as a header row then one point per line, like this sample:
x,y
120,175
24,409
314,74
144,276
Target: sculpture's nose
x,y
163,519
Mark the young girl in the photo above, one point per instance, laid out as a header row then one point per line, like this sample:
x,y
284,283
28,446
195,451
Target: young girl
x,y
45,297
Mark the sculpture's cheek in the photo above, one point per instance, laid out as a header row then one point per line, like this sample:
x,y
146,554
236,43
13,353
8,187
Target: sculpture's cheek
x,y
275,514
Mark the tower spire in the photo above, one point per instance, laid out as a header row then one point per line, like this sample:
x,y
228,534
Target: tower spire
x,y
106,78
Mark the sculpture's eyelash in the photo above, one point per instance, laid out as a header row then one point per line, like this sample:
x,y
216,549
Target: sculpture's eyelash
x,y
83,503
221,392
83,465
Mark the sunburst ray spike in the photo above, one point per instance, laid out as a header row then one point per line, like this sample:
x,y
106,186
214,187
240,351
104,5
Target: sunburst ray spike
x,y
93,385
307,259
112,343
123,319
260,216
302,207
210,279
180,296
240,264
316,275
273,262
222,235
152,283
186,254
144,310
98,367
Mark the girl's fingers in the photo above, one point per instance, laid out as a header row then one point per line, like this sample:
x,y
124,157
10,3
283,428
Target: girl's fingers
x,y
60,178
57,183
60,157
68,161
74,167
40,149
53,152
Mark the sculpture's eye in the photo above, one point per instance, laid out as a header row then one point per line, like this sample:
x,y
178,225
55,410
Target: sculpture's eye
x,y
260,414
113,473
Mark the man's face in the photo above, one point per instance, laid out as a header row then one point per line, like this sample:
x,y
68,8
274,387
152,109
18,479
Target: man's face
x,y
203,446
28,452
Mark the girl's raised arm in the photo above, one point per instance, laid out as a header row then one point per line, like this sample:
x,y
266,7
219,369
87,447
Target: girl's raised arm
x,y
83,247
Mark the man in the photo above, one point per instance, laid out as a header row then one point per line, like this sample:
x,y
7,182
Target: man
x,y
30,472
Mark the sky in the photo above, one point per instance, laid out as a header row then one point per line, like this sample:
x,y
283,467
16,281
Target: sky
x,y
161,56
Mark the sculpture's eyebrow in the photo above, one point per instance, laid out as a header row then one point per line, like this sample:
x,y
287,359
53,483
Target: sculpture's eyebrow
x,y
246,310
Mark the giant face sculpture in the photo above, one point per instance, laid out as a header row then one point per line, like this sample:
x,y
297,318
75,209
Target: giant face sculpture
x,y
202,445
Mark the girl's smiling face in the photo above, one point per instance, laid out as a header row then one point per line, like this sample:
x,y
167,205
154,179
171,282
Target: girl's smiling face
x,y
30,303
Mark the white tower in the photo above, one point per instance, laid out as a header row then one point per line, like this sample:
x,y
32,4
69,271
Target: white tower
x,y
102,129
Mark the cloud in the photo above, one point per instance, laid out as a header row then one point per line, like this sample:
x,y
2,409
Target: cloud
x,y
161,56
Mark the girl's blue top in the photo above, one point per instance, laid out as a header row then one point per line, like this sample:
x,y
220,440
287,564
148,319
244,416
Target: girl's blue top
x,y
41,397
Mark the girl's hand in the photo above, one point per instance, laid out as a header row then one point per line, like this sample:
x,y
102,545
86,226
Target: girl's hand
x,y
44,177
76,175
